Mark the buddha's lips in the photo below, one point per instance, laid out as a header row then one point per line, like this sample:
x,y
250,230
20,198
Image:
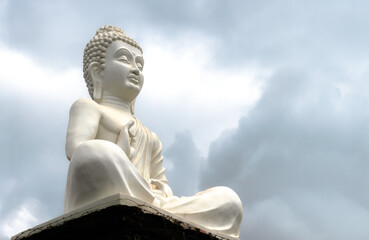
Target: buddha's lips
x,y
133,79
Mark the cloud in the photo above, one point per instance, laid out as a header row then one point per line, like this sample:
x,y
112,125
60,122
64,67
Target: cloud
x,y
267,32
304,136
304,215
34,107
19,219
274,215
185,91
183,156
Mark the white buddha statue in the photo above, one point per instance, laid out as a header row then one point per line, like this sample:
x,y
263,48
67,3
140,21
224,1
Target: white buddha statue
x,y
111,151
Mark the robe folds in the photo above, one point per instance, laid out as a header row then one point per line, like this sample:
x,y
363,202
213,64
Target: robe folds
x,y
99,168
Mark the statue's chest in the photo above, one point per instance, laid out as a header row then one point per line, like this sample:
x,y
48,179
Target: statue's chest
x,y
111,123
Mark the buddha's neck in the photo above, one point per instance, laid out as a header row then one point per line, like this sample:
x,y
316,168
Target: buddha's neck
x,y
117,103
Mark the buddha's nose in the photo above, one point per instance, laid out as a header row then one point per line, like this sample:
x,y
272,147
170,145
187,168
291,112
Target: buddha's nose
x,y
135,70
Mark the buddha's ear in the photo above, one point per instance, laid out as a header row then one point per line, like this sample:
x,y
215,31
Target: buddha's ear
x,y
94,70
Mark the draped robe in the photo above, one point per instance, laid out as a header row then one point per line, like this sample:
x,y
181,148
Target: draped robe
x,y
100,168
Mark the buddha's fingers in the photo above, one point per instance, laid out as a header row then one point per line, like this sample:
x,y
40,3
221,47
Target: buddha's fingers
x,y
124,138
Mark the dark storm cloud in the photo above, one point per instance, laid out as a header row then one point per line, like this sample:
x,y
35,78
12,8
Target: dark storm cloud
x,y
303,137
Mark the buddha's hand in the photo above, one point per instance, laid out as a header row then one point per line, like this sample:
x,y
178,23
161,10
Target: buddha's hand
x,y
158,186
124,138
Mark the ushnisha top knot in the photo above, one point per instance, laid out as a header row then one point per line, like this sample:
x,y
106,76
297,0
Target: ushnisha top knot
x,y
96,48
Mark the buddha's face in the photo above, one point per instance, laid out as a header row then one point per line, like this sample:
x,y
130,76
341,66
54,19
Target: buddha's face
x,y
122,76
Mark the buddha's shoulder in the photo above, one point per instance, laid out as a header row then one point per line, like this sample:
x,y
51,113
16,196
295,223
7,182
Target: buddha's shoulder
x,y
84,104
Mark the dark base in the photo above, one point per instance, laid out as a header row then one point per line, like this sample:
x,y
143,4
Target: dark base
x,y
117,222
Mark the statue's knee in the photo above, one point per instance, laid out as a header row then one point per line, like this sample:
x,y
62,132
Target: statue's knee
x,y
97,157
230,198
94,150
83,160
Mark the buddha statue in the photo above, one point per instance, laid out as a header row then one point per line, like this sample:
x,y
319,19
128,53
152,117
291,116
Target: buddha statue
x,y
111,151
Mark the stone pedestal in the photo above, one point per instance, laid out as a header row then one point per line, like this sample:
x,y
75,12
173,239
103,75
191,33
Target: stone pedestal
x,y
118,217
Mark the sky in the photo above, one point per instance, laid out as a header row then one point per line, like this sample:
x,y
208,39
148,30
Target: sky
x,y
267,97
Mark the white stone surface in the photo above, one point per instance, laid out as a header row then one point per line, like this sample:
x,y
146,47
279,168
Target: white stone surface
x,y
110,151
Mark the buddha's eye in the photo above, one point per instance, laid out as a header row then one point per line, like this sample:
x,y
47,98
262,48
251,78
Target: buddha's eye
x,y
139,66
123,59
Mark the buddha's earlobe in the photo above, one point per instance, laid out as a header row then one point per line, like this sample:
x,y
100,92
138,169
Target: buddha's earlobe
x,y
95,74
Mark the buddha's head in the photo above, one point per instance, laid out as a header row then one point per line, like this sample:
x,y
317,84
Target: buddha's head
x,y
112,61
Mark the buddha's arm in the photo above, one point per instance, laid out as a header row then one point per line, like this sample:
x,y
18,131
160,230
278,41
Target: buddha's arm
x,y
84,118
158,179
